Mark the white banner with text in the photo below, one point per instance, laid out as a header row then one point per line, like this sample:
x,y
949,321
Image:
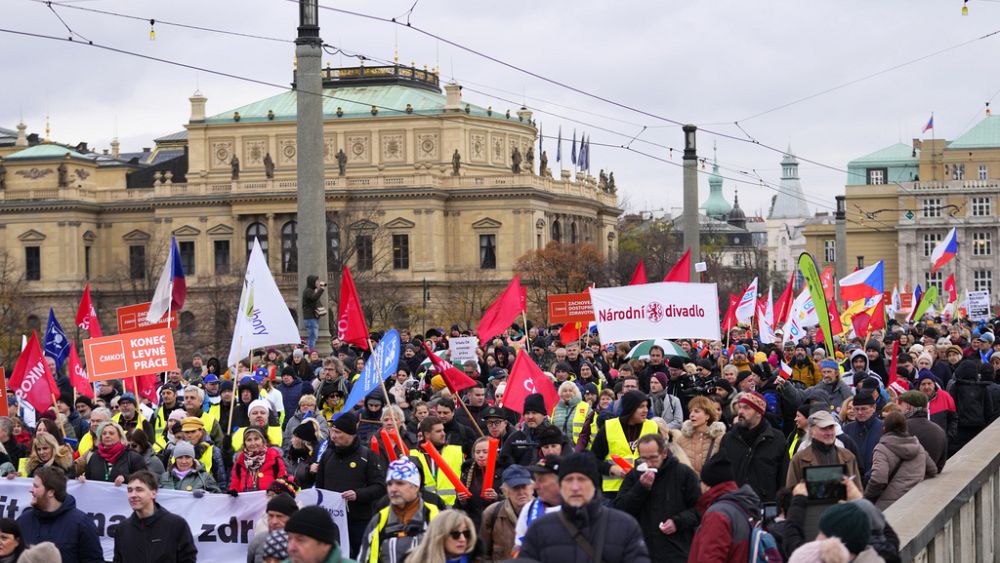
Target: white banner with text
x,y
657,310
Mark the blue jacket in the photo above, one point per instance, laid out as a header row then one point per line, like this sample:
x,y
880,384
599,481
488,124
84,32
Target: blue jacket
x,y
866,436
70,529
290,394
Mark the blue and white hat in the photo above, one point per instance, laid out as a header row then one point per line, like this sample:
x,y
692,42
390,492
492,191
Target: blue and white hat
x,y
403,470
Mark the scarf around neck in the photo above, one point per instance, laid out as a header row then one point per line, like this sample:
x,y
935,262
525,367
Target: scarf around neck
x,y
110,453
254,461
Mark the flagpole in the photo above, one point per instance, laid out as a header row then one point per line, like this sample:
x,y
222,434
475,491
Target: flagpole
x,y
381,381
232,398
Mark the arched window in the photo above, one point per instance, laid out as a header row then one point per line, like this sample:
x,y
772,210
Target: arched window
x,y
332,245
290,247
258,231
33,323
572,233
556,231
188,323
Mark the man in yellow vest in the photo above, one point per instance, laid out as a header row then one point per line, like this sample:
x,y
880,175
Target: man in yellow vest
x,y
258,412
129,417
431,429
401,525
168,404
193,430
194,400
620,437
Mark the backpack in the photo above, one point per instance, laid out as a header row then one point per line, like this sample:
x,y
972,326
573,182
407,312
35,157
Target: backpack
x,y
763,546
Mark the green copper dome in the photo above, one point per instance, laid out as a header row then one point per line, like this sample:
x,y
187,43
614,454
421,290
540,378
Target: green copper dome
x,y
716,205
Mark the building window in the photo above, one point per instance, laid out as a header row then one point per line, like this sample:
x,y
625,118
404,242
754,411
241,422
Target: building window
x,y
538,241
188,323
936,279
32,263
784,265
137,262
984,172
221,257
573,233
958,172
332,245
982,280
982,207
556,231
931,207
400,252
290,247
737,260
830,250
186,248
86,261
876,176
931,240
861,262
365,252
258,231
488,252
982,243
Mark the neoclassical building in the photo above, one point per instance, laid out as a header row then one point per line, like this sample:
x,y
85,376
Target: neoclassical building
x,y
430,200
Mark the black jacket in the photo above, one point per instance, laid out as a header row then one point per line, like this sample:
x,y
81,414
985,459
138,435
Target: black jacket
x,y
100,470
521,447
460,434
310,298
674,494
164,537
548,541
973,402
354,468
70,529
763,464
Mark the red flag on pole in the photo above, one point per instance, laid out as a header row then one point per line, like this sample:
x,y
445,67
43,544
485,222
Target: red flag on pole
x,y
502,312
351,327
147,387
454,378
681,272
949,286
876,315
571,332
639,275
861,322
893,363
86,315
826,280
31,380
836,327
527,378
729,321
783,307
77,375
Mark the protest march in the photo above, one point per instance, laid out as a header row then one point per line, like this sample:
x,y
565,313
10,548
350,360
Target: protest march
x,y
635,423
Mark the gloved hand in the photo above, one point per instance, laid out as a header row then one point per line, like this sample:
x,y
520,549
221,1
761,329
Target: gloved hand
x,y
198,493
233,493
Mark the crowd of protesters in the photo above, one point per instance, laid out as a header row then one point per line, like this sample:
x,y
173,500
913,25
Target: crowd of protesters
x,y
670,455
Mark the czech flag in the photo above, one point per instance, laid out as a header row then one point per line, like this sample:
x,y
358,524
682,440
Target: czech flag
x,y
863,284
945,250
172,287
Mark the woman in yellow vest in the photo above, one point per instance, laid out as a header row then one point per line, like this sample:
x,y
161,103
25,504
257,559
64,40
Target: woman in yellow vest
x,y
570,413
619,437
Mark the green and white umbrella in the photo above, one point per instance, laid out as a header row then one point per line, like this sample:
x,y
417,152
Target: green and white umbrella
x,y
641,350
444,355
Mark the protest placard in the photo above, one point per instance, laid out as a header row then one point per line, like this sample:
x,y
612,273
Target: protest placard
x,y
979,305
570,308
657,310
462,349
132,318
130,354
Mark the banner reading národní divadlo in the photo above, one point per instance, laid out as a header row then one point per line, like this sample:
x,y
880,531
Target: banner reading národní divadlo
x,y
656,310
222,526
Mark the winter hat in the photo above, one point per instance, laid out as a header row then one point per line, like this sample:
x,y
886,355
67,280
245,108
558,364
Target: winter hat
x,y
184,449
829,550
987,337
590,388
259,403
899,386
276,545
548,435
284,485
564,366
742,375
864,398
916,350
83,399
403,469
282,503
966,371
40,553
631,401
347,423
927,374
192,423
849,523
717,470
804,409
915,399
662,378
740,349
583,462
258,430
675,362
754,400
829,364
227,385
534,402
315,522
306,431
127,397
297,353
925,355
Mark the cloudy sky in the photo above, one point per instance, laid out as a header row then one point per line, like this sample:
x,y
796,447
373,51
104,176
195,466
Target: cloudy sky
x,y
708,63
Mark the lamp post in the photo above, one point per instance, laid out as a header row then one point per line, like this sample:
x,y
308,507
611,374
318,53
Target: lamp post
x,y
692,223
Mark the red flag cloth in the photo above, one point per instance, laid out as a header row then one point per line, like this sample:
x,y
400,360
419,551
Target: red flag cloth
x,y
77,375
729,321
571,332
639,275
147,388
860,322
826,280
31,380
836,327
502,312
949,286
893,363
86,316
527,378
783,307
351,327
681,272
454,378
877,316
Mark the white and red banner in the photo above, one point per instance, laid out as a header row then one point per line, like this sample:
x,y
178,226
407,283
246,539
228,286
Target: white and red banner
x,y
802,316
747,304
657,310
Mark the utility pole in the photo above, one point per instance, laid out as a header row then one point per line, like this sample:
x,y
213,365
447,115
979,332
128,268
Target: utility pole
x,y
311,233
692,223
840,264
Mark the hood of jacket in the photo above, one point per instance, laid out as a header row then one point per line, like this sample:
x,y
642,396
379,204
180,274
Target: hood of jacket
x,y
903,447
863,354
68,505
311,281
709,497
746,497
714,431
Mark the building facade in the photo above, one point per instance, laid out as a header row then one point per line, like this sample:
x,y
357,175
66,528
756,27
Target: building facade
x,y
785,238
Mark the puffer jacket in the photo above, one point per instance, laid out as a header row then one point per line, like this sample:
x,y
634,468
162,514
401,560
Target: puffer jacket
x,y
196,480
805,371
547,539
698,448
562,415
724,533
898,464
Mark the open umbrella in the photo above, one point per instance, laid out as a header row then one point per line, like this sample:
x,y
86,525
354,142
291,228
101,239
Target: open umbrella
x,y
641,350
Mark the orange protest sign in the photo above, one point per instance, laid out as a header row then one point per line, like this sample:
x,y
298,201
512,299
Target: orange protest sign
x,y
4,409
130,354
132,318
570,308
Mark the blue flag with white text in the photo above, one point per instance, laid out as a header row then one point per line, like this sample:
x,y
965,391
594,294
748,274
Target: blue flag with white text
x,y
382,364
56,343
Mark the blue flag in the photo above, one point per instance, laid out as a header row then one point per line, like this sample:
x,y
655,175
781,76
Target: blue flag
x,y
583,152
56,343
559,146
572,155
382,364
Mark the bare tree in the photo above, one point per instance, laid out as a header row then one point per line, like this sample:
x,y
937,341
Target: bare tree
x,y
560,268
13,307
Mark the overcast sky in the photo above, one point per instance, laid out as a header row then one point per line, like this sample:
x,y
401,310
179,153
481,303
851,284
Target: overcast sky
x,y
710,63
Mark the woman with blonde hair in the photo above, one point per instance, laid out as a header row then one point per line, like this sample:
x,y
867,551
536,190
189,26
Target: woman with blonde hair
x,y
846,413
45,451
701,433
564,415
450,538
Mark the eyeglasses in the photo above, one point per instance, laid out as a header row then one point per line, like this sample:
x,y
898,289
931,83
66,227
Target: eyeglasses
x,y
494,422
455,534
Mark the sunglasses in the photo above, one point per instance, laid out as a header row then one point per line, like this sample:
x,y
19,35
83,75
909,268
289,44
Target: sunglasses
x,y
455,534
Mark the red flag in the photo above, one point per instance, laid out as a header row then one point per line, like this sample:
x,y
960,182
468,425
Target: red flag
x,y
681,272
639,275
351,327
729,321
836,327
861,322
783,307
454,378
527,378
571,332
77,375
147,387
86,315
502,312
876,315
31,380
893,363
949,286
826,280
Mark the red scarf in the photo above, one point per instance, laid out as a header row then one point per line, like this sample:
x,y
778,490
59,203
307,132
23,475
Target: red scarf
x,y
110,453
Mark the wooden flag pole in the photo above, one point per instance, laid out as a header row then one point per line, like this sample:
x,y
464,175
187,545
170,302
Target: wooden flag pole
x,y
232,399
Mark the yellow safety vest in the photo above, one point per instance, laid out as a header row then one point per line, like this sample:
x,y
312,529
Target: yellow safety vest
x,y
618,445
579,419
86,444
383,518
273,435
440,483
139,419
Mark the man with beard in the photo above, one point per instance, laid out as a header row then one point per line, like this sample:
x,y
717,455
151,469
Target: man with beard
x,y
755,449
804,369
836,390
400,526
654,365
54,517
521,446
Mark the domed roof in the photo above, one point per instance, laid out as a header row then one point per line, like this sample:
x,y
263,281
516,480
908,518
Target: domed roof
x,y
737,213
716,205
